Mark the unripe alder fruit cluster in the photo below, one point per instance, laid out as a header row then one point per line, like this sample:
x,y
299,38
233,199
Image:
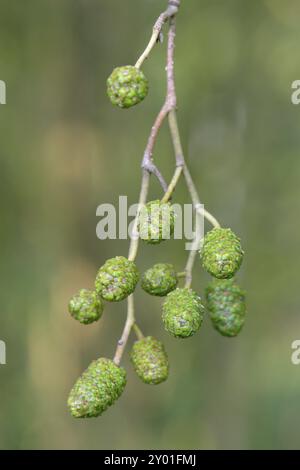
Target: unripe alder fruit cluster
x,y
183,310
182,316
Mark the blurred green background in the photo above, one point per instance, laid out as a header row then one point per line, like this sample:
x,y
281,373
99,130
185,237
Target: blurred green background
x,y
65,150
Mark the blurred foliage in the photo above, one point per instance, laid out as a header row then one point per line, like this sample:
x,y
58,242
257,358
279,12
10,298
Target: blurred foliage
x,y
65,150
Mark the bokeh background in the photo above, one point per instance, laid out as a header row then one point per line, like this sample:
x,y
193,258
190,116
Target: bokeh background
x,y
64,150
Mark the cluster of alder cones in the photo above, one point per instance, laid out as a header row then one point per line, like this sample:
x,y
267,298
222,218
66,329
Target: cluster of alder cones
x,y
182,312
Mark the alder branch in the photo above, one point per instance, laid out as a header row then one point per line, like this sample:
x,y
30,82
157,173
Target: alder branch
x,y
181,165
148,166
170,100
135,237
148,163
130,320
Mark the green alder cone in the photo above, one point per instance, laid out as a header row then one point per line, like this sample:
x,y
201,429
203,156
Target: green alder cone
x,y
116,279
86,306
97,388
221,253
156,222
182,313
160,279
226,306
127,86
150,360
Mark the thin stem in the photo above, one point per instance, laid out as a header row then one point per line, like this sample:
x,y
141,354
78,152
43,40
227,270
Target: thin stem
x,y
208,216
179,156
191,187
147,162
174,135
170,101
147,51
189,268
137,331
173,183
134,242
200,211
178,150
193,253
126,331
196,200
133,249
161,20
176,140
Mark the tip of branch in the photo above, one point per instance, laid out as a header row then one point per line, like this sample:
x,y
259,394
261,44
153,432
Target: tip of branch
x,y
174,3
